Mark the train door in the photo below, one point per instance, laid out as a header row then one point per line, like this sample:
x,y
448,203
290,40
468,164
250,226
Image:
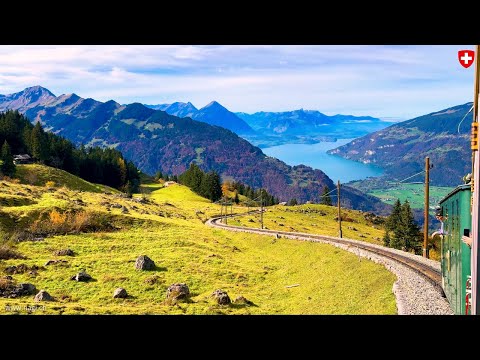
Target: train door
x,y
445,247
447,251
458,257
453,257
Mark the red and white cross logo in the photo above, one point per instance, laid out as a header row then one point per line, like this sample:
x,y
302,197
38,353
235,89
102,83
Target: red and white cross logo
x,y
466,57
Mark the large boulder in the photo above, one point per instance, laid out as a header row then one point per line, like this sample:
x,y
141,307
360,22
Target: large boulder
x,y
8,289
143,262
242,300
43,296
25,289
120,293
221,297
81,276
178,291
64,252
53,262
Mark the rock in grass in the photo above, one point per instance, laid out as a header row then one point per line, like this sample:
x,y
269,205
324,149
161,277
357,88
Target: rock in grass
x,y
221,297
242,300
81,276
26,289
8,289
43,296
64,252
178,291
120,293
143,262
53,262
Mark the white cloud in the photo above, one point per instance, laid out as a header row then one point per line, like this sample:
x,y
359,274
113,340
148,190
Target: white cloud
x,y
383,81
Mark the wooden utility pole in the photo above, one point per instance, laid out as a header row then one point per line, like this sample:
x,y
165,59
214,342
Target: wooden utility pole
x,y
427,205
475,190
226,210
339,214
261,207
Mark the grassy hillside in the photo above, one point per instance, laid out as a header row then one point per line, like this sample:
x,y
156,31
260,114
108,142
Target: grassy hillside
x,y
316,219
167,225
155,141
400,149
38,175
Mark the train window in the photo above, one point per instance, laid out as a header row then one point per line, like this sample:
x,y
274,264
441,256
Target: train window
x,y
453,221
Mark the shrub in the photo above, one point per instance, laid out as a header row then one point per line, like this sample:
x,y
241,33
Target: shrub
x,y
31,178
50,184
81,221
70,222
7,253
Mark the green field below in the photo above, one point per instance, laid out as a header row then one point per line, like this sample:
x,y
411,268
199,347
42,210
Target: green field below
x,y
168,226
414,193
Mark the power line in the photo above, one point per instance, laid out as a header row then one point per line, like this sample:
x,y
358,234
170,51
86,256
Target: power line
x,y
458,129
329,192
421,172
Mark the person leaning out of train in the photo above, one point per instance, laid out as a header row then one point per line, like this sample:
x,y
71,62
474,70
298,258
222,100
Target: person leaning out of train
x,y
439,217
467,239
467,179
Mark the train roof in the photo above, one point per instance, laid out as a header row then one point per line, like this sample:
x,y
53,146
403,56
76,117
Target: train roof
x,y
457,189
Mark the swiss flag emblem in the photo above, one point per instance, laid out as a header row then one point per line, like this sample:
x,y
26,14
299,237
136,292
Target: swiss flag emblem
x,y
466,57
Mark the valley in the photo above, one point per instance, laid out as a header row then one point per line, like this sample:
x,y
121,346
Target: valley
x,y
234,180
167,225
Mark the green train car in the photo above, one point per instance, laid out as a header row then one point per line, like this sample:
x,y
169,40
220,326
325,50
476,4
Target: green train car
x,y
455,260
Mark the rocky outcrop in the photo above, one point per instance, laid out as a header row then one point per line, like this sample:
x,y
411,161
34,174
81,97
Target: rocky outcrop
x,y
43,296
143,262
221,297
178,291
120,293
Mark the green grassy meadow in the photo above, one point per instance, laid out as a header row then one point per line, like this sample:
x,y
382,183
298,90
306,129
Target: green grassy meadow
x,y
315,219
414,193
168,226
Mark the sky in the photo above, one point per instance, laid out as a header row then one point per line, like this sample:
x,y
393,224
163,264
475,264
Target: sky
x,y
390,82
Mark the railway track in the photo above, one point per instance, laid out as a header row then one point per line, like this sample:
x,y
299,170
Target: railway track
x,y
430,273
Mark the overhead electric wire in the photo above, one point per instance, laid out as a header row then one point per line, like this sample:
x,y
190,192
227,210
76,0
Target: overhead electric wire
x,y
458,129
398,182
328,193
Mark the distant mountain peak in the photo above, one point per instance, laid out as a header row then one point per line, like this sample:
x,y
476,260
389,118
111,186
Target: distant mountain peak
x,y
27,98
37,89
215,105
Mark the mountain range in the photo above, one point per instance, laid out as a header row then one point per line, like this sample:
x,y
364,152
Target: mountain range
x,y
301,122
213,114
265,129
155,140
400,149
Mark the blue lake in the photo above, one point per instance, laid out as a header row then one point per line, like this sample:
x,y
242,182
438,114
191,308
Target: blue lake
x,y
315,155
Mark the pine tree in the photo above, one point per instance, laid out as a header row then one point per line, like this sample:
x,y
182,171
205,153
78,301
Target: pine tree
x,y
386,239
38,147
236,198
407,231
211,187
8,167
158,175
122,171
293,202
394,219
326,199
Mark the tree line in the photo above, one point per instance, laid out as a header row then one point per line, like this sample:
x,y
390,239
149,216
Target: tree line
x,y
252,193
104,166
204,184
210,186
